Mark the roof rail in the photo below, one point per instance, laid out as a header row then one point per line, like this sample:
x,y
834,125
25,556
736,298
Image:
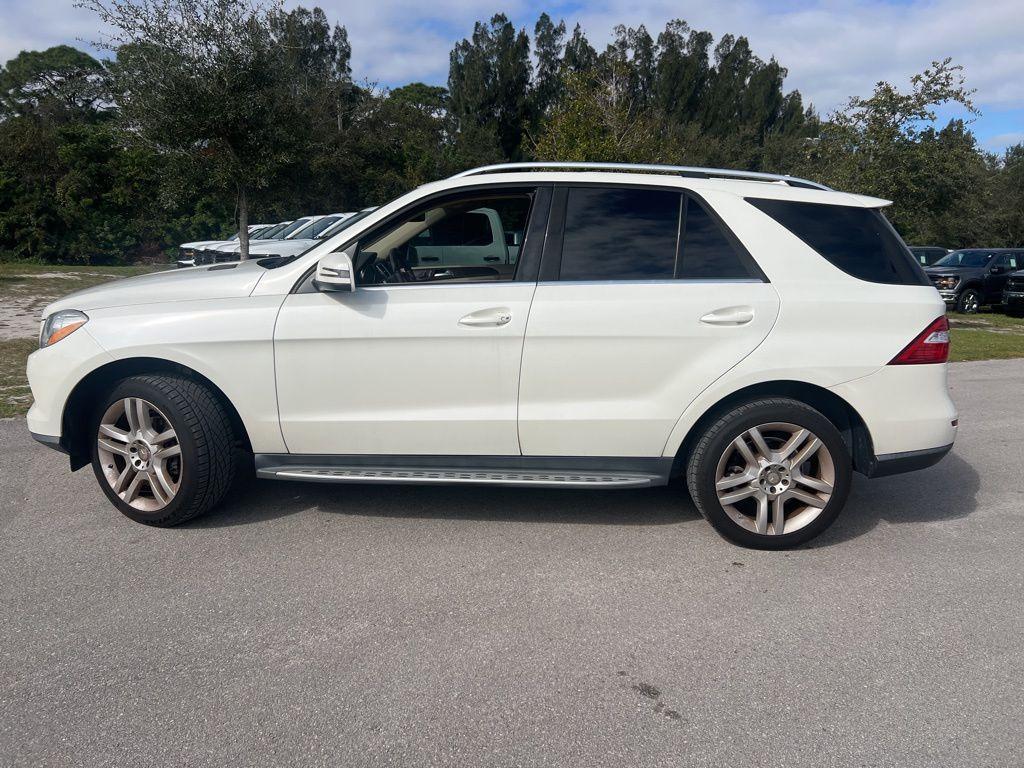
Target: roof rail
x,y
680,170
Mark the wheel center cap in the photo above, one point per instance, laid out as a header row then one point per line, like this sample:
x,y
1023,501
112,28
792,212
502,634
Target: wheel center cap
x,y
774,479
140,454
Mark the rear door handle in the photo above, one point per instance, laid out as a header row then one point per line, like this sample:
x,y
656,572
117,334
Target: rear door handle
x,y
729,316
484,318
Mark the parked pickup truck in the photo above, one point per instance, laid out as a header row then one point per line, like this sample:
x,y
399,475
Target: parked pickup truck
x,y
1013,296
473,238
974,277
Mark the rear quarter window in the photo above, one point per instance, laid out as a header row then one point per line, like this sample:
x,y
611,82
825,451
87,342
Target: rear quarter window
x,y
859,241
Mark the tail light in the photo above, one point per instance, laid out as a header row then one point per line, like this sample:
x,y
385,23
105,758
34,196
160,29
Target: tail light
x,y
931,346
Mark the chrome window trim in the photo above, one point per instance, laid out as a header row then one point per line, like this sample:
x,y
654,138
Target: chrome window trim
x,y
496,283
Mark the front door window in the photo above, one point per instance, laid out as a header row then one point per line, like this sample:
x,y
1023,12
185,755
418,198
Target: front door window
x,y
466,239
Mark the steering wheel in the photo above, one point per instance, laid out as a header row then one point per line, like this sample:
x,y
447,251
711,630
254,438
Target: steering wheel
x,y
402,268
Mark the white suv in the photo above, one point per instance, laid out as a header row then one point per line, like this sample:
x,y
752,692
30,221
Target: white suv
x,y
761,336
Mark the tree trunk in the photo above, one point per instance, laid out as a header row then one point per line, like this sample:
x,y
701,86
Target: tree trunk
x,y
243,223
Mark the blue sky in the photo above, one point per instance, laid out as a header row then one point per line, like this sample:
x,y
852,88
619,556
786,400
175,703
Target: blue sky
x,y
833,49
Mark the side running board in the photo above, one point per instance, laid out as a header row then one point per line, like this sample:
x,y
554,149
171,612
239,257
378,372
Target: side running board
x,y
441,476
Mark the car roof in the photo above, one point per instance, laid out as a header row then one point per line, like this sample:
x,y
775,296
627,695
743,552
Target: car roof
x,y
767,186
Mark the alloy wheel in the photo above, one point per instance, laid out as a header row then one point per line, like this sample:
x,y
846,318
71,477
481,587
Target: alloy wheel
x,y
140,454
775,478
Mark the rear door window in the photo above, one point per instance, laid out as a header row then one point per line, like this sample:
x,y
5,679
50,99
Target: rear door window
x,y
620,234
859,241
707,254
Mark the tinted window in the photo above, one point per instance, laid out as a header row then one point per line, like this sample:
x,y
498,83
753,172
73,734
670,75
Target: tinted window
x,y
1011,260
464,228
287,231
270,232
964,259
707,253
858,241
620,234
310,231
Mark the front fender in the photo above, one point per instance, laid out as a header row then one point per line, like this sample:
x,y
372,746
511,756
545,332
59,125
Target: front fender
x,y
227,341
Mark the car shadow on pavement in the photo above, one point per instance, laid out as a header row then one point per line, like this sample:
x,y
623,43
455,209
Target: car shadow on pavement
x,y
261,500
944,492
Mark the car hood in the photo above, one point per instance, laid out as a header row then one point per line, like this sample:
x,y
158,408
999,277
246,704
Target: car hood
x,y
949,270
282,247
221,281
203,243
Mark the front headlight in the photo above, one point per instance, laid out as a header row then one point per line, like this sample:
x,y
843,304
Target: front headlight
x,y
61,324
947,283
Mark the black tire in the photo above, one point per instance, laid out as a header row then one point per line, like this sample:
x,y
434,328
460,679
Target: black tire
x,y
208,455
703,461
969,301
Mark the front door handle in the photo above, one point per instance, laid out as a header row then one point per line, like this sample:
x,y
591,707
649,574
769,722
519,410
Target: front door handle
x,y
487,318
729,316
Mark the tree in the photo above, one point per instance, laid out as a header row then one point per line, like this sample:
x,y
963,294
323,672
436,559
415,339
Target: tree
x,y
59,79
580,55
489,80
682,71
596,123
548,44
887,145
231,85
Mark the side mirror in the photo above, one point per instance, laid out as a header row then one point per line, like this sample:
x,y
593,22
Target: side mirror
x,y
335,273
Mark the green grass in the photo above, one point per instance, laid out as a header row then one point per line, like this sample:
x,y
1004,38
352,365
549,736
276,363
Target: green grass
x,y
984,345
15,397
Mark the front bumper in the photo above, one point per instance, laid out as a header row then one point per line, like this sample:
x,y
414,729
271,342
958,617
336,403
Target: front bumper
x,y
50,441
1013,300
949,297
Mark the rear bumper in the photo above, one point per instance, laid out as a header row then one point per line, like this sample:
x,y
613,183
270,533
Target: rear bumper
x,y
906,409
908,461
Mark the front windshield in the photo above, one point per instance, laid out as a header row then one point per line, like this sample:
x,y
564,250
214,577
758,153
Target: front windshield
x,y
311,231
965,259
345,223
270,232
293,227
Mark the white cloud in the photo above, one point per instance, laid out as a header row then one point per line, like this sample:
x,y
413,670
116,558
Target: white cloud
x,y
1003,140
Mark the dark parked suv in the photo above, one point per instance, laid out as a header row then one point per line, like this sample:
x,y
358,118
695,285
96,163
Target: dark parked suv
x,y
973,277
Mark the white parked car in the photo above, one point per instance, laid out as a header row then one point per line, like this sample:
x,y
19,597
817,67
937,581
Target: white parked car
x,y
294,230
326,227
187,251
760,336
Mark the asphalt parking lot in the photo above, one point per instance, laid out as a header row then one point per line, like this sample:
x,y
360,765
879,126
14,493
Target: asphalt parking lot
x,y
316,625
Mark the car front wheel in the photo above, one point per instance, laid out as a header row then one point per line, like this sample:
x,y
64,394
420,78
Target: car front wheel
x,y
163,449
770,474
969,302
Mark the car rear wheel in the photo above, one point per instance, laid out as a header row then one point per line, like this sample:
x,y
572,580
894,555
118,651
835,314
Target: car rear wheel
x,y
770,474
969,302
163,449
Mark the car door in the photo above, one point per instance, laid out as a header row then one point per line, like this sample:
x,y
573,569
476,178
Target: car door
x,y
996,276
417,360
645,298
